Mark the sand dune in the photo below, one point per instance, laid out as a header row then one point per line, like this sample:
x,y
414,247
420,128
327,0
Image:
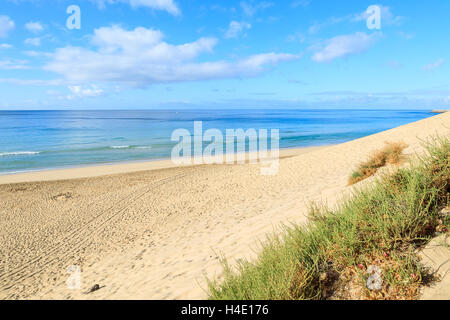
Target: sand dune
x,y
156,234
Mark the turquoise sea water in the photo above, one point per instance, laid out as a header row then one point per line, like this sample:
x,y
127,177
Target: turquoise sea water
x,y
36,140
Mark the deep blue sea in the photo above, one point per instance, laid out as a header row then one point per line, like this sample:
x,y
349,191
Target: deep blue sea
x,y
36,140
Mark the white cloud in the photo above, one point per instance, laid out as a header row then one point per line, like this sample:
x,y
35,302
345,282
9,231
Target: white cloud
x,y
164,5
6,25
34,27
5,46
251,9
80,92
140,57
434,65
33,41
236,29
345,45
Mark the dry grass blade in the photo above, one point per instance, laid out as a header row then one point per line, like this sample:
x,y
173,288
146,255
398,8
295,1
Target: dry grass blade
x,y
390,154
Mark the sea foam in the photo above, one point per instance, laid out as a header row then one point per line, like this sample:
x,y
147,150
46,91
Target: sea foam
x,y
18,153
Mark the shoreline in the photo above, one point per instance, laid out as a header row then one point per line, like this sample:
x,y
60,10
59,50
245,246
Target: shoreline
x,y
111,161
438,111
98,170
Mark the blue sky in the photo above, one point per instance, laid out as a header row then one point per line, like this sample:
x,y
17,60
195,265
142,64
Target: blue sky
x,y
143,54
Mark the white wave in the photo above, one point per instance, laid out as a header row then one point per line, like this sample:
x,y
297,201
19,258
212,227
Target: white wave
x,y
130,147
18,153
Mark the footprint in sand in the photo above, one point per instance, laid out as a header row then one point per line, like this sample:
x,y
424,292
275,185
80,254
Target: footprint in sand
x,y
63,196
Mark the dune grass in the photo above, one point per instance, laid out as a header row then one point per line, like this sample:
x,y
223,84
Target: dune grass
x,y
382,226
390,154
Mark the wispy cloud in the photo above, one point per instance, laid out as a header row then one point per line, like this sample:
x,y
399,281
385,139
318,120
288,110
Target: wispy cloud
x,y
300,3
317,26
250,8
34,27
433,65
33,82
388,18
344,45
165,5
393,64
236,29
33,41
6,25
33,53
404,35
296,37
84,92
13,64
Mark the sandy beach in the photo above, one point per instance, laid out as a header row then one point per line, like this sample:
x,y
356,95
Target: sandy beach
x,y
151,230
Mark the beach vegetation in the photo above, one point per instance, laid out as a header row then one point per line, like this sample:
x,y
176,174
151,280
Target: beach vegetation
x,y
391,153
365,248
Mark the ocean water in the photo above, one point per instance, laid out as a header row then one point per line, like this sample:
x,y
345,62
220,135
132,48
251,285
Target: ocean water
x,y
36,140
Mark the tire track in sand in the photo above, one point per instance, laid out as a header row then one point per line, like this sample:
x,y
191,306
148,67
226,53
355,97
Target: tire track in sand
x,y
77,238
